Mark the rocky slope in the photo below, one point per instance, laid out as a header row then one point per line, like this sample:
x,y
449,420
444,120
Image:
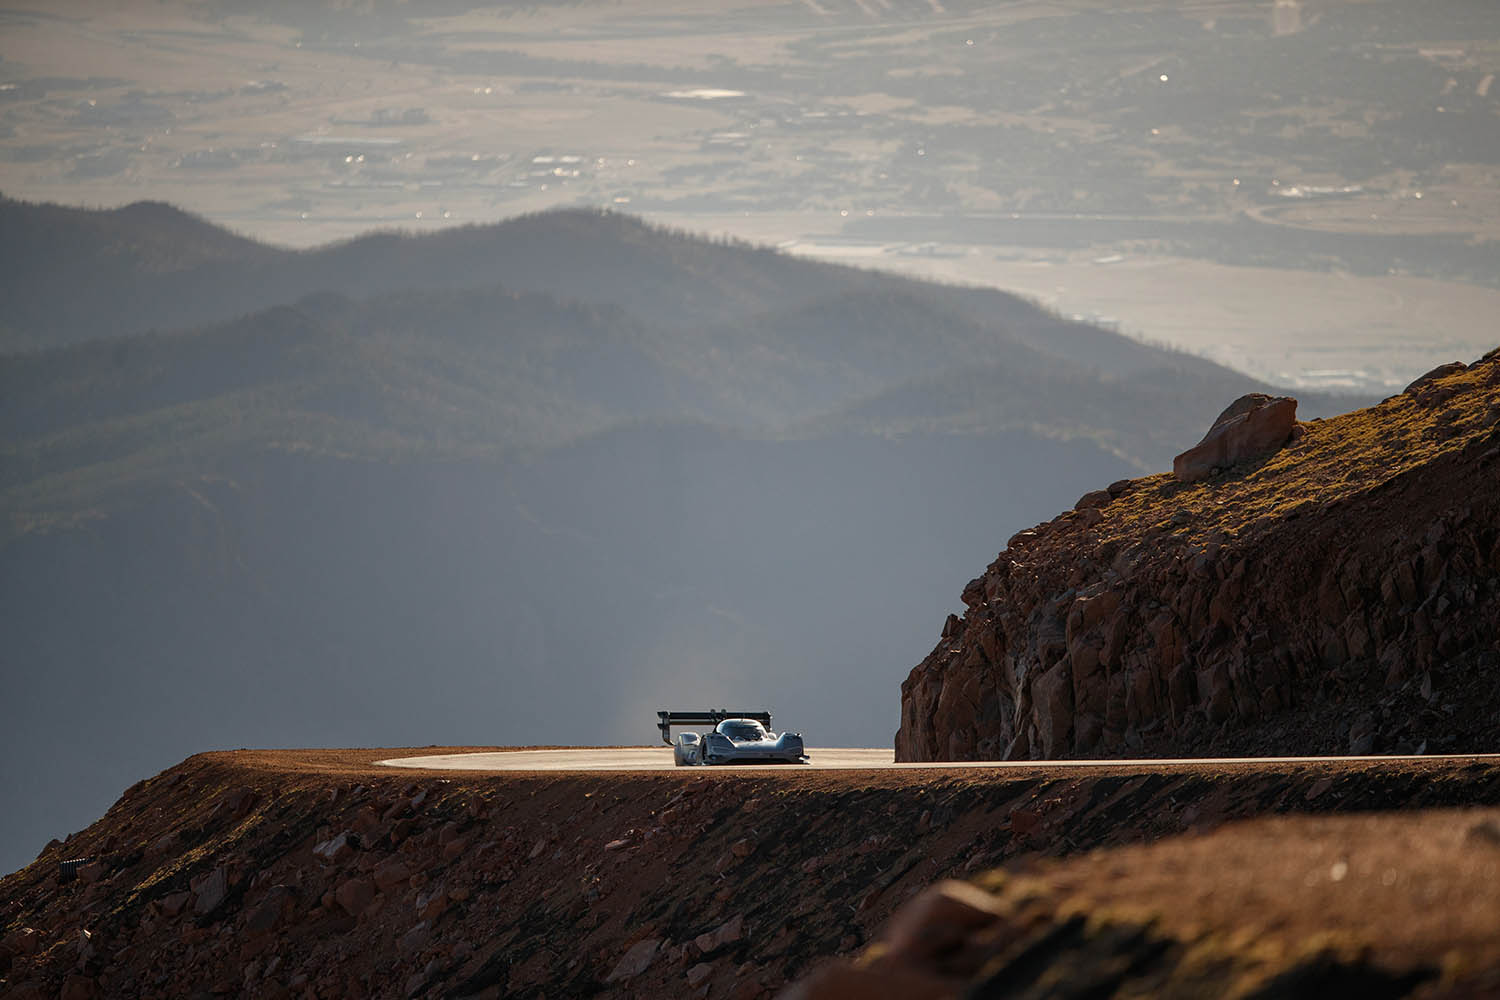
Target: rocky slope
x,y
321,874
1339,595
1371,906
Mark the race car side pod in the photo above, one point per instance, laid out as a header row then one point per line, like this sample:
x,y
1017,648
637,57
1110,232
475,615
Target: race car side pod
x,y
711,717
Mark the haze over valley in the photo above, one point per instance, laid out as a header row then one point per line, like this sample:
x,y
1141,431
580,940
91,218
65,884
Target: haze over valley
x,y
578,465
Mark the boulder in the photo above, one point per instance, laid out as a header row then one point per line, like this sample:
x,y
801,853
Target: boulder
x,y
924,952
209,890
174,903
432,903
338,848
727,933
416,939
1090,501
391,873
1440,372
455,847
1253,425
354,895
636,960
272,911
939,920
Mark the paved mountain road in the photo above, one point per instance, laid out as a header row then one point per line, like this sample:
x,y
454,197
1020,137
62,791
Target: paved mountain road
x,y
658,758
831,758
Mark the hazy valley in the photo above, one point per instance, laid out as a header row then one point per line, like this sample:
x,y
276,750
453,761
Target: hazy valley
x,y
512,483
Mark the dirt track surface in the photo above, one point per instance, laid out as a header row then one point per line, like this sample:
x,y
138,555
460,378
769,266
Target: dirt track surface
x,y
831,758
621,759
532,763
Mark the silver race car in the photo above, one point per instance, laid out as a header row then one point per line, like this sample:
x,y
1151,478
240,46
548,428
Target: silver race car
x,y
737,738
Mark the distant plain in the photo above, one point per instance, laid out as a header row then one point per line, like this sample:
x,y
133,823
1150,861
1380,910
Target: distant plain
x,y
1222,160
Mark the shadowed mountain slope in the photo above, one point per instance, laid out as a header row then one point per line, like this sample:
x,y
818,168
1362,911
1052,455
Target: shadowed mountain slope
x,y
515,483
1143,416
74,274
470,373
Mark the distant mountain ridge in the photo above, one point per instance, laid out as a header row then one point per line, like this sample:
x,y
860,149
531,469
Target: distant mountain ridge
x,y
484,341
75,274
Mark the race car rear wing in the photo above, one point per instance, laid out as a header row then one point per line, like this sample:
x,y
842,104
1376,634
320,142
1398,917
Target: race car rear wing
x,y
710,718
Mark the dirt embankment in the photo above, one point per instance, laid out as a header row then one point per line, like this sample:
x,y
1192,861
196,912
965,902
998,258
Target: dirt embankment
x,y
1358,906
319,874
1338,596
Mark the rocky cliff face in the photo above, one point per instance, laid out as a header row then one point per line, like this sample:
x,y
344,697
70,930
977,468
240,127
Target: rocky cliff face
x,y
1341,594
321,874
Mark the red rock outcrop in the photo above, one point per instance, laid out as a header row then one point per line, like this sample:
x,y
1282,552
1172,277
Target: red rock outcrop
x,y
1249,427
1340,595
